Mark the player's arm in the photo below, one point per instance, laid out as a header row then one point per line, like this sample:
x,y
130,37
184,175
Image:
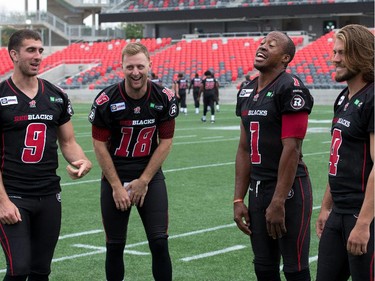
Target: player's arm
x,y
242,181
139,186
100,144
9,213
294,127
325,210
79,164
360,234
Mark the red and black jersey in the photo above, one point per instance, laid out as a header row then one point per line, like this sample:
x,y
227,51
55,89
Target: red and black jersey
x,y
182,85
209,86
195,83
350,162
28,144
133,124
261,114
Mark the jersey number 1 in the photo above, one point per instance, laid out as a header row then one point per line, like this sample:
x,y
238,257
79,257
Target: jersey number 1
x,y
255,155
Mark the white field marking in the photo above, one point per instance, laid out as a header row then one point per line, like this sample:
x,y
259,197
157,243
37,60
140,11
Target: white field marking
x,y
316,121
318,130
207,141
214,253
186,136
80,234
100,250
182,169
213,137
103,249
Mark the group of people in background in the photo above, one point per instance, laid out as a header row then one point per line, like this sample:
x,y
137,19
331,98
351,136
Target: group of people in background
x,y
133,124
206,87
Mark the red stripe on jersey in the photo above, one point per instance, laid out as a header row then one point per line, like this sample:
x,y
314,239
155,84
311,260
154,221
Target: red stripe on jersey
x,y
294,125
10,86
166,129
100,134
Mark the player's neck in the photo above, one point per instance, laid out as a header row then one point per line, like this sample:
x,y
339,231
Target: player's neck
x,y
265,78
26,84
355,85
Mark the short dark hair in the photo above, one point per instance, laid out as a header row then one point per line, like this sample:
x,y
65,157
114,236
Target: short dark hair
x,y
208,73
16,39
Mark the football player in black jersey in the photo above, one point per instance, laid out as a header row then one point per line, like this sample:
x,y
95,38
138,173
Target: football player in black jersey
x,y
274,110
34,116
210,90
346,221
132,128
180,87
196,83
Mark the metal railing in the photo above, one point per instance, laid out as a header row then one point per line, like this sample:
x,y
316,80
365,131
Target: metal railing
x,y
51,22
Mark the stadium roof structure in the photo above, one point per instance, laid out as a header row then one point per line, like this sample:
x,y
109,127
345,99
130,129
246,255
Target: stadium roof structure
x,y
240,13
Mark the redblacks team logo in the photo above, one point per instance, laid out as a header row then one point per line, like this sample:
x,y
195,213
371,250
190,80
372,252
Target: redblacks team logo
x,y
297,102
102,99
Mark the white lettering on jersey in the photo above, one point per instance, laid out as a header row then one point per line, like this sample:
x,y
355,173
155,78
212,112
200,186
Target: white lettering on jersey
x,y
9,100
143,122
344,122
40,117
257,112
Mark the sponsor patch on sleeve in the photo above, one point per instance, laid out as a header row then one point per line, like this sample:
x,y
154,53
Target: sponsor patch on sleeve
x,y
102,99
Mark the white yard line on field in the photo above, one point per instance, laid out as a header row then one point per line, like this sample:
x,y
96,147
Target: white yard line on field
x,y
99,250
214,253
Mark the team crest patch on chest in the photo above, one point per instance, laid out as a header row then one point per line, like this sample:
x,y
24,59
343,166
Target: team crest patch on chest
x,y
297,102
32,104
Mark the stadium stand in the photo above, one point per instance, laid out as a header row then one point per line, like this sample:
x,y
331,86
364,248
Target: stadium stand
x,y
228,58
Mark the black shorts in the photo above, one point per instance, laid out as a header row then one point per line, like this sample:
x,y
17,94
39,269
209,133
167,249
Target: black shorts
x,y
294,246
154,212
29,245
334,262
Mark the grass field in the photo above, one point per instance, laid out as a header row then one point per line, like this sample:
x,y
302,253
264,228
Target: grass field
x,y
204,242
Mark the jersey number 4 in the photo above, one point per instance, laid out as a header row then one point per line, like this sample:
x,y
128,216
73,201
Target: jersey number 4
x,y
334,156
142,146
35,141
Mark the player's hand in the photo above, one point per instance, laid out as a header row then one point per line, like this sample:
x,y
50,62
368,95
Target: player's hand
x,y
9,213
137,190
79,168
275,219
241,217
121,198
358,240
321,222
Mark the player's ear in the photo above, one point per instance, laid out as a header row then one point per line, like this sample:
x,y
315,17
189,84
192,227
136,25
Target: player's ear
x,y
13,55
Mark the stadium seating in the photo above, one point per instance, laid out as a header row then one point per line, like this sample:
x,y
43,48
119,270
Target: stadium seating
x,y
228,58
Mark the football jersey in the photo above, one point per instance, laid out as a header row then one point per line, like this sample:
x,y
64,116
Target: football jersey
x,y
261,115
209,86
29,137
182,86
196,83
133,124
350,161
